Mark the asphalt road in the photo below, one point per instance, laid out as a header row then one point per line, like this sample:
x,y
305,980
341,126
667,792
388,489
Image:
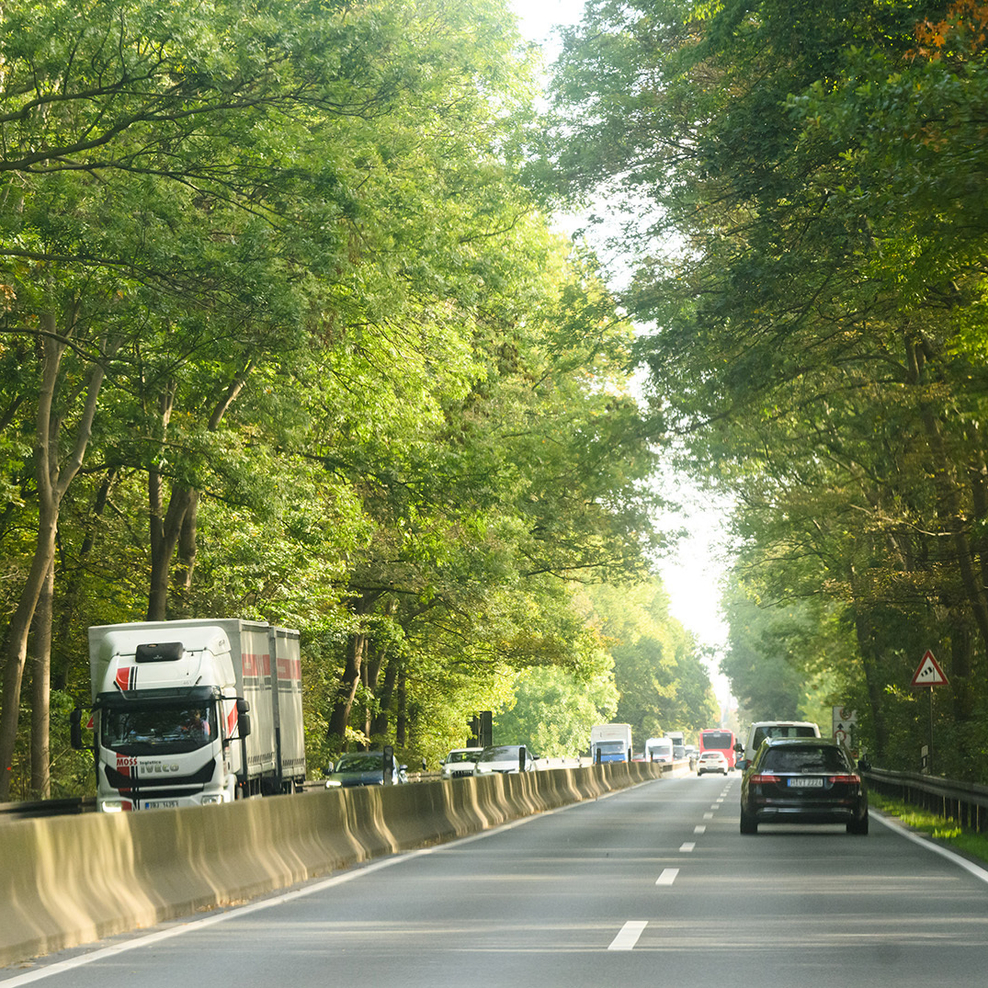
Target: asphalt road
x,y
653,886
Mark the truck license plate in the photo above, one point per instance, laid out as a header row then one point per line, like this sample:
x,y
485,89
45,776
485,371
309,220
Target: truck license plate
x,y
160,804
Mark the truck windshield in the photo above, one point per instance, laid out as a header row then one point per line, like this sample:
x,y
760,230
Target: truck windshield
x,y
173,727
617,746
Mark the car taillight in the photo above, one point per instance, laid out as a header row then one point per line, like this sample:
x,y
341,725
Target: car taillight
x,y
763,779
851,780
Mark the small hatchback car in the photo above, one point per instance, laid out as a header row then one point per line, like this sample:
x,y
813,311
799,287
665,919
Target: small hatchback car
x,y
803,780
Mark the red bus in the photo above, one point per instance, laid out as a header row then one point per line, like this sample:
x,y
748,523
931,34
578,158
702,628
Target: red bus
x,y
718,739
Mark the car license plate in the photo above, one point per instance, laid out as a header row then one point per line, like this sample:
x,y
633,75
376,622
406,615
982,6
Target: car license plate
x,y
803,782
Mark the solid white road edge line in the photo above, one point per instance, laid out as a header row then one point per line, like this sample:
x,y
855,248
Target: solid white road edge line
x,y
969,866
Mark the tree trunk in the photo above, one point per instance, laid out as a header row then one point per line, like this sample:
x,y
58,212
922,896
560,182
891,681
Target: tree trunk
x,y
874,679
53,480
379,726
164,540
41,690
339,719
69,596
961,665
182,582
401,725
16,652
175,528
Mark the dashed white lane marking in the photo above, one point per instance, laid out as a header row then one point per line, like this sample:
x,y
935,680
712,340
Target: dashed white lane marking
x,y
708,816
629,935
701,829
686,848
667,877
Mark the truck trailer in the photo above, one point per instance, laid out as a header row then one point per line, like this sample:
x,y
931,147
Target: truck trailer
x,y
189,713
610,743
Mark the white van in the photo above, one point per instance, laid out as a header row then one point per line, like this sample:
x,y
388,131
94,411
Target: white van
x,y
763,729
658,750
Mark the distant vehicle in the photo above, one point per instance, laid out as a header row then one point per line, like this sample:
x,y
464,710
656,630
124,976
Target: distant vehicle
x,y
712,761
658,750
678,745
803,780
718,739
364,768
505,759
459,762
763,729
610,743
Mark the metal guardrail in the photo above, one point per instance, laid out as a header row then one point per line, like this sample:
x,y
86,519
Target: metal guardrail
x,y
964,802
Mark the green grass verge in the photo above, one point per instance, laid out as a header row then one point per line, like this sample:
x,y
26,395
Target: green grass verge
x,y
946,831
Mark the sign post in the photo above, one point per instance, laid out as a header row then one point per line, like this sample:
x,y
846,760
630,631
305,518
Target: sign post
x,y
845,729
929,674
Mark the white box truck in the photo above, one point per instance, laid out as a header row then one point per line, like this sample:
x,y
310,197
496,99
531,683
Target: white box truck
x,y
187,713
610,743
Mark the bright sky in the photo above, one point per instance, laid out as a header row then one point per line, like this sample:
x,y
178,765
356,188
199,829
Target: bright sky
x,y
693,576
537,17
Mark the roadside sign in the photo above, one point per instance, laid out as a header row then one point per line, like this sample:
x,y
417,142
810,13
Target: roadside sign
x,y
929,672
845,728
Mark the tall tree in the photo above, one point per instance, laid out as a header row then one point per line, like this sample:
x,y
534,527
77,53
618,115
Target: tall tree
x,y
818,325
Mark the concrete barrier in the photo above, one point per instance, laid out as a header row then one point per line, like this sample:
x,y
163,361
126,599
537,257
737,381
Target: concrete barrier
x,y
65,881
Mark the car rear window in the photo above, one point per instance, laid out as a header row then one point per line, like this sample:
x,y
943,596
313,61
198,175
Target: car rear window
x,y
499,753
782,731
805,760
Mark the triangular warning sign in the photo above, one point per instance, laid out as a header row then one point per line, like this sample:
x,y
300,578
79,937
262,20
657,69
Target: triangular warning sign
x,y
929,672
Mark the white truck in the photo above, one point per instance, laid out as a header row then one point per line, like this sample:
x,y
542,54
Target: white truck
x,y
658,750
610,743
188,713
678,745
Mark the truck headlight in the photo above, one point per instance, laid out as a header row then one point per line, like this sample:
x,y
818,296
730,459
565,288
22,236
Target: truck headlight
x,y
111,806
213,799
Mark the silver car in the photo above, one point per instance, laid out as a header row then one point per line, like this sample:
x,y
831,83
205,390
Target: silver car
x,y
505,759
459,762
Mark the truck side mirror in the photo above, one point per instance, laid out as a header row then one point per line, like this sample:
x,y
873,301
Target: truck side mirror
x,y
75,729
243,717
